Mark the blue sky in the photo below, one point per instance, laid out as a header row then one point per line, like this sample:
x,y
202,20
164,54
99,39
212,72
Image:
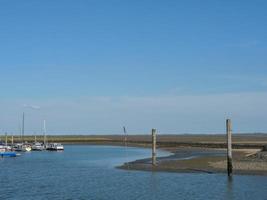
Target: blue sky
x,y
93,65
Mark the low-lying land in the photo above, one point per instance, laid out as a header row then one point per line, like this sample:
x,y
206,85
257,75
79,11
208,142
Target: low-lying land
x,y
163,141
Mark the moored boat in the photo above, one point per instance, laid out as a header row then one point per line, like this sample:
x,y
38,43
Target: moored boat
x,y
55,147
8,154
22,147
37,146
4,148
5,151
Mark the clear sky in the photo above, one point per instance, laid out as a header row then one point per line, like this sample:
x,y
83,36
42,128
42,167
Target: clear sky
x,y
93,66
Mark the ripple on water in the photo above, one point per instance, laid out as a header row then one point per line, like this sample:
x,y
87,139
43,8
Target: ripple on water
x,y
87,172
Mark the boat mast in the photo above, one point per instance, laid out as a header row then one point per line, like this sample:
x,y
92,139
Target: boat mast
x,y
20,133
6,138
44,132
23,127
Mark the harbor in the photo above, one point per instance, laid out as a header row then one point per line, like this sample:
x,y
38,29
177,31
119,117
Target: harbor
x,y
188,153
20,144
11,150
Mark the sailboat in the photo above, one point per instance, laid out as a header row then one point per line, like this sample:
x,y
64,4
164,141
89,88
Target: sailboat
x,y
55,147
22,146
51,146
44,133
5,150
37,146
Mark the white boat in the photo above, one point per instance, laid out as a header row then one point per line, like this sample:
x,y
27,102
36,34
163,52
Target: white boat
x,y
27,147
37,146
55,147
22,147
2,148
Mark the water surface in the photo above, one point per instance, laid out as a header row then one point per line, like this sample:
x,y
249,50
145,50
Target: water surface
x,y
88,172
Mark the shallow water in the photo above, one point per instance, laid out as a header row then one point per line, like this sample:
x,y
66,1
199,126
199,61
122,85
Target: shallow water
x,y
88,172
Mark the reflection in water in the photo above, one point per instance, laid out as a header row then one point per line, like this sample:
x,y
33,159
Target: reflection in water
x,y
229,187
154,185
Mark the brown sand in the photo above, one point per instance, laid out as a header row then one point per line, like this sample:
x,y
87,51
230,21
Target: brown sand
x,y
242,164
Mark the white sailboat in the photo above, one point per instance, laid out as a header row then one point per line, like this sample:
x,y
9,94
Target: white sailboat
x,y
22,146
51,146
44,133
55,147
37,146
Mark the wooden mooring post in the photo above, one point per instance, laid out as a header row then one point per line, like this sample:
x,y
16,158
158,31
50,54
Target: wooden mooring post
x,y
154,143
229,147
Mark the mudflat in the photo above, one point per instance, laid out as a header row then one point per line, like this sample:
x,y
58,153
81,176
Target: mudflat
x,y
204,160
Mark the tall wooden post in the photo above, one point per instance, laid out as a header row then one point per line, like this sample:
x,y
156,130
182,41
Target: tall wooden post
x,y
229,147
154,143
12,139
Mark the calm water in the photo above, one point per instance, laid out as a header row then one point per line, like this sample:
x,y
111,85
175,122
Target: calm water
x,y
87,172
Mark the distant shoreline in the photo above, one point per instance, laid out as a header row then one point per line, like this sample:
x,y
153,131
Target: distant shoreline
x,y
244,141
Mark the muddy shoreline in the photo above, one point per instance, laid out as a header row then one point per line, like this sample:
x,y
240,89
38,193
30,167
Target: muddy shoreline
x,y
201,160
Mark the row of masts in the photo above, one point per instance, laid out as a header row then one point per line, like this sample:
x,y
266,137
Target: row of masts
x,y
25,146
22,133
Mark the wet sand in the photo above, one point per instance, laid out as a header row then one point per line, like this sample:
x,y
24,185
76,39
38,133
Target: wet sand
x,y
202,160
